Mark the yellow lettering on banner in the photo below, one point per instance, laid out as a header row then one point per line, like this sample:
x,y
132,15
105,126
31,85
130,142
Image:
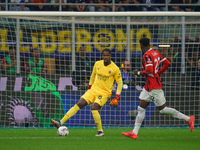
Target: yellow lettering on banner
x,y
64,38
121,40
104,38
82,36
23,48
142,32
34,37
4,47
51,46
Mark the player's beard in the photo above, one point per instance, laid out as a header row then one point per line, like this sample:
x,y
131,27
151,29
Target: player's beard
x,y
106,63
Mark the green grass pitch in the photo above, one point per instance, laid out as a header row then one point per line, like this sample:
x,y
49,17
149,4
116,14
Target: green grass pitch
x,y
84,139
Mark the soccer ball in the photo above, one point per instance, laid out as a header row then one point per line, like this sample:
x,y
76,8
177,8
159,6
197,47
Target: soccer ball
x,y
63,131
132,114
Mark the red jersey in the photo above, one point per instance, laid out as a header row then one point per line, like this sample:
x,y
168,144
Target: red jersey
x,y
150,64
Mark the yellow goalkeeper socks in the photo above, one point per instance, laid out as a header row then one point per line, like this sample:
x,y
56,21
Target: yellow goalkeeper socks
x,y
70,113
97,119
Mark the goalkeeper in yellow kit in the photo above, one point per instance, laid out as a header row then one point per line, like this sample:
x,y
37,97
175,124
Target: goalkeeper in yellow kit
x,y
99,91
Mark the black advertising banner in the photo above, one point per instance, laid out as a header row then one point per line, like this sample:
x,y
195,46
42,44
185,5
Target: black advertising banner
x,y
30,100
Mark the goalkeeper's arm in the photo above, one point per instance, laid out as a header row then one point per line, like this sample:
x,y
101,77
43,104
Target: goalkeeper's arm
x,y
114,102
92,78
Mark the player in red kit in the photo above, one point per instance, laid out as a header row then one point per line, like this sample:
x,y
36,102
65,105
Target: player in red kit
x,y
152,91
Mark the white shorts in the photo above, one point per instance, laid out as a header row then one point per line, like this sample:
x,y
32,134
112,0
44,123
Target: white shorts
x,y
156,96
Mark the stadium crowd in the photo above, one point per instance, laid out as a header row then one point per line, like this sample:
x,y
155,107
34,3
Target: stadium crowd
x,y
95,5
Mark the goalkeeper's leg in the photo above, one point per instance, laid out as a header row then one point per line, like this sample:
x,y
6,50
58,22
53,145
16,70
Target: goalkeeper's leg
x,y
81,103
97,118
68,115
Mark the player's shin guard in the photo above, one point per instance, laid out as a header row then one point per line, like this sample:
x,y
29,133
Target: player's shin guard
x,y
97,119
70,113
174,113
139,118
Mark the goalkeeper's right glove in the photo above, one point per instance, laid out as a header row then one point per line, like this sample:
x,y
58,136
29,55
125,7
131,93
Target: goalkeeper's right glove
x,y
89,87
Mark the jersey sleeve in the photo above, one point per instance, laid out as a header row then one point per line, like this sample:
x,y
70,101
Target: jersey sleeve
x,y
166,63
92,78
118,79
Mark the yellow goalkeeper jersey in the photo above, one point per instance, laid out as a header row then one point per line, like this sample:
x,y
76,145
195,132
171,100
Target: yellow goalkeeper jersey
x,y
103,77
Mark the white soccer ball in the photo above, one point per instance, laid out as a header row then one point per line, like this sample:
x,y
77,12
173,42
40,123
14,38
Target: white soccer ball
x,y
63,131
132,114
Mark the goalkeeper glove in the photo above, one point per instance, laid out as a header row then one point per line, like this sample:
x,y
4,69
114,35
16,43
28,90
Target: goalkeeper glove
x,y
89,87
114,102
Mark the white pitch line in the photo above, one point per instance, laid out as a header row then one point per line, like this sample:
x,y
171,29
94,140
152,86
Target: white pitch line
x,y
4,138
59,137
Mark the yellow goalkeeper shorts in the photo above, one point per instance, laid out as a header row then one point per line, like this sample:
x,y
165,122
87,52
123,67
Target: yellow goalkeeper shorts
x,y
92,96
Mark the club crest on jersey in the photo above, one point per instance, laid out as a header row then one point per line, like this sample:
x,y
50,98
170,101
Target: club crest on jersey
x,y
100,97
110,72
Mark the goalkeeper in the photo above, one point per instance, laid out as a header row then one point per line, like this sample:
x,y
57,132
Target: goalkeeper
x,y
99,91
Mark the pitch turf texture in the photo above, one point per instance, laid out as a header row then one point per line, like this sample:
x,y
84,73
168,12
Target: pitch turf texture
x,y
84,139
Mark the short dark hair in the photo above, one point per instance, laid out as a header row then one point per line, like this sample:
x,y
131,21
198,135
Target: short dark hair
x,y
106,50
145,41
12,47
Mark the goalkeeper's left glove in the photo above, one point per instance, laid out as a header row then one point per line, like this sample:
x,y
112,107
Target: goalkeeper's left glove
x,y
89,87
114,102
